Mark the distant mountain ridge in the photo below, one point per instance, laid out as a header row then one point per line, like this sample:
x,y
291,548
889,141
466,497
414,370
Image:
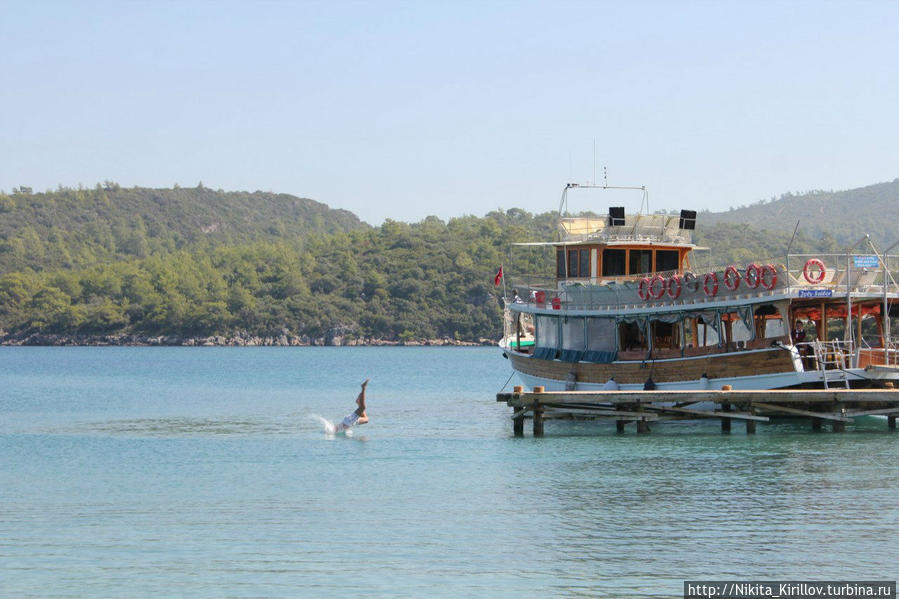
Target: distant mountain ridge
x,y
71,228
844,215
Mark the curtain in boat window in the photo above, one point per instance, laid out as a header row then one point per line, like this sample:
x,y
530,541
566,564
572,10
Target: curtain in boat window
x,y
547,342
602,340
572,339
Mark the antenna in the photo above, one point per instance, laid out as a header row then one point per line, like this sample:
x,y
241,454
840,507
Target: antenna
x,y
605,177
594,161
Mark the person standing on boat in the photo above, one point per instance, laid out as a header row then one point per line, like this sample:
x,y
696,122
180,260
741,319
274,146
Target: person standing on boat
x,y
798,332
358,416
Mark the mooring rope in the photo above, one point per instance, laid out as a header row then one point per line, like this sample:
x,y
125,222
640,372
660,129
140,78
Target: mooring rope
x,y
507,382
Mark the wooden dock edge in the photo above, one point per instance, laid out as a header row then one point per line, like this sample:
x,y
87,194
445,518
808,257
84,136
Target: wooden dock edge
x,y
837,406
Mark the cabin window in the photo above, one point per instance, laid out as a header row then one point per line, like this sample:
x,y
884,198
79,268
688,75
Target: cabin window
x,y
573,333
613,263
639,262
667,260
548,332
578,263
572,263
631,337
560,263
601,334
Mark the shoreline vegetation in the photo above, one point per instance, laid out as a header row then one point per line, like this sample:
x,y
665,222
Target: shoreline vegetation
x,y
238,340
198,267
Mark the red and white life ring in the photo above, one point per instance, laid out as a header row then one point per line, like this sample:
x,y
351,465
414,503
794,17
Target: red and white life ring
x,y
712,290
753,276
673,287
812,278
656,292
732,278
691,282
768,276
643,289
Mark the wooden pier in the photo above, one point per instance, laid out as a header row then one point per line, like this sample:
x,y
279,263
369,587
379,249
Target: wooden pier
x,y
834,406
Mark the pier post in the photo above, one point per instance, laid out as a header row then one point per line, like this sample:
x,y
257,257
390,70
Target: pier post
x,y
642,426
750,427
538,414
816,424
518,421
619,426
891,423
725,422
838,427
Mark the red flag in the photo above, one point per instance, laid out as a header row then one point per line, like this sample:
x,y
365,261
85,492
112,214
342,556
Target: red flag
x,y
498,277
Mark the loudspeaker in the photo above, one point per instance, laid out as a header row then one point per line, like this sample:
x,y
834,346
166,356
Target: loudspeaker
x,y
688,219
616,216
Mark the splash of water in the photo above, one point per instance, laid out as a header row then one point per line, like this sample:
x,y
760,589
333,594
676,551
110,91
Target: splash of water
x,y
330,428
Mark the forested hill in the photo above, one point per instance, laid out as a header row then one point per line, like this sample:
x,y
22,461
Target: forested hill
x,y
197,263
76,228
844,215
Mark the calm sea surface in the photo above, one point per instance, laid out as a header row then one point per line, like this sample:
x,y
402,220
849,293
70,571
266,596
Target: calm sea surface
x,y
201,472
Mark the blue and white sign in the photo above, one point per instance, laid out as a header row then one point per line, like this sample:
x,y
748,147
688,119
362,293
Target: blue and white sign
x,y
816,293
865,262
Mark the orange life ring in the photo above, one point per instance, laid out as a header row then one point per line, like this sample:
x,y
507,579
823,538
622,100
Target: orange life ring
x,y
807,271
732,278
643,289
713,291
753,275
770,283
691,282
652,284
673,287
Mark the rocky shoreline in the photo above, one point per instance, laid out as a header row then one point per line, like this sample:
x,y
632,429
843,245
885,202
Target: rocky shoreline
x,y
238,340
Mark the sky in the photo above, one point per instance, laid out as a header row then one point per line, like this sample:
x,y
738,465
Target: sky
x,y
401,110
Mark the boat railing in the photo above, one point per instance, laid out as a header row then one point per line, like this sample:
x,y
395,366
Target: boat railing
x,y
838,274
808,275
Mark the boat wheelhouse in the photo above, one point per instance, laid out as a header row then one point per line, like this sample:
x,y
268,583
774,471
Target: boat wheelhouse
x,y
631,307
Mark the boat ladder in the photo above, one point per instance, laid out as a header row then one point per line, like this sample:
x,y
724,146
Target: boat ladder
x,y
833,355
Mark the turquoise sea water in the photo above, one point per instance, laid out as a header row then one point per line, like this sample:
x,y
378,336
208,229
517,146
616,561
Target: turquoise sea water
x,y
199,472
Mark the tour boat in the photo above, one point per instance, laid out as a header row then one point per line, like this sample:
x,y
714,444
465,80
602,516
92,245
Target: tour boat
x,y
630,307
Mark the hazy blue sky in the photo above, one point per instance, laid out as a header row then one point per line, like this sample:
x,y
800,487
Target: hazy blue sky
x,y
406,109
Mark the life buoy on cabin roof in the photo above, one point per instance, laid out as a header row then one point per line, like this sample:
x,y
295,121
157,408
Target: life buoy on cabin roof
x,y
770,281
814,279
643,289
753,275
657,294
673,287
691,282
732,278
712,290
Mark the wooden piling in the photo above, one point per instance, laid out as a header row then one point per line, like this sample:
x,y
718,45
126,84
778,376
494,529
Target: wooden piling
x,y
642,426
816,424
750,427
725,422
538,414
839,426
891,423
619,425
